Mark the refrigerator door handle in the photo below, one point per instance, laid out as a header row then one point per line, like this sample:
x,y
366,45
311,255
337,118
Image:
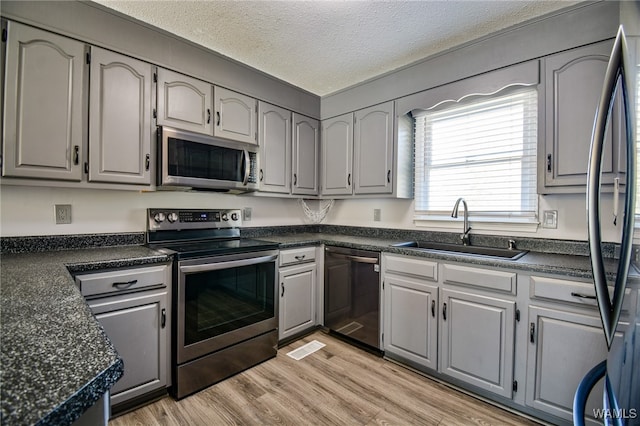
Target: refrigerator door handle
x,y
615,79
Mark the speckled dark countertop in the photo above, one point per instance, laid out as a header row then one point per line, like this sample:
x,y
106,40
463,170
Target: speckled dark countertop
x,y
570,265
55,359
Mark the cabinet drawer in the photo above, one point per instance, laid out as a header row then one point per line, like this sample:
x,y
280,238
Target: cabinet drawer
x,y
298,255
581,293
121,280
477,277
411,266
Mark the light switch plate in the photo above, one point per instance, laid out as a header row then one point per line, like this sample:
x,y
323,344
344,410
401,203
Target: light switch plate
x,y
550,219
376,215
246,214
63,213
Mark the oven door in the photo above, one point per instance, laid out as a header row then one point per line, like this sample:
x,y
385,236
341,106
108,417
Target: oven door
x,y
224,300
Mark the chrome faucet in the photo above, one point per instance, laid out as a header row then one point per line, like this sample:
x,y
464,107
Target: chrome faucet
x,y
466,228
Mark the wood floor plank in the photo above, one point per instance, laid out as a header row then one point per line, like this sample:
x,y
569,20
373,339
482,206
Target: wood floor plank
x,y
337,385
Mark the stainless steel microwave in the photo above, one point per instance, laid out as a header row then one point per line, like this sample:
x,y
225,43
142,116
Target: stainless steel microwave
x,y
190,160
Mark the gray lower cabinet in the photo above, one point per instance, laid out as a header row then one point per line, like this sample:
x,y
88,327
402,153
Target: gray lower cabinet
x,y
410,309
274,130
572,87
119,119
477,340
184,102
563,347
411,320
43,105
297,311
305,156
133,307
565,340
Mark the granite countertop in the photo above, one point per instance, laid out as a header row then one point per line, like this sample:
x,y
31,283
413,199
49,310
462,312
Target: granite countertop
x,y
55,359
570,265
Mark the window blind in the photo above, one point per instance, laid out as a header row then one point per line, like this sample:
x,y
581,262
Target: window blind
x,y
483,150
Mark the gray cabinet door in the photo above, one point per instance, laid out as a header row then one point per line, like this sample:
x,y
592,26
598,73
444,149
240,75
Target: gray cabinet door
x,y
337,154
137,324
43,105
563,347
411,320
184,102
477,340
373,150
306,144
573,84
274,134
235,116
119,119
297,299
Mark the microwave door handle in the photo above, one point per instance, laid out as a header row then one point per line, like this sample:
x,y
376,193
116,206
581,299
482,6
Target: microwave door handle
x,y
190,269
247,166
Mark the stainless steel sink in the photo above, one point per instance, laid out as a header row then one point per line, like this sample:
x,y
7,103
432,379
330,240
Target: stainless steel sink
x,y
502,253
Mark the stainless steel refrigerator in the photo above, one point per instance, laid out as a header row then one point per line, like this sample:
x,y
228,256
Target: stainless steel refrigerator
x,y
621,370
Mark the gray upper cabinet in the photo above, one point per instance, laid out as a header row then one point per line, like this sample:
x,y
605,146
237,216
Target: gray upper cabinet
x,y
373,150
119,119
184,102
306,144
362,156
43,105
235,116
572,86
337,152
275,148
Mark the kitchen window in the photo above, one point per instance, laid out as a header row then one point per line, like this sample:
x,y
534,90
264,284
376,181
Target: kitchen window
x,y
482,148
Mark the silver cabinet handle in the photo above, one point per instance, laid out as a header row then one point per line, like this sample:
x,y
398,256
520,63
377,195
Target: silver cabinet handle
x,y
124,284
300,257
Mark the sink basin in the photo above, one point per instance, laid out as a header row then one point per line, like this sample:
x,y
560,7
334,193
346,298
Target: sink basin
x,y
501,253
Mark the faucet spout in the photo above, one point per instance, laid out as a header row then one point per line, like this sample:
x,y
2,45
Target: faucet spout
x,y
465,225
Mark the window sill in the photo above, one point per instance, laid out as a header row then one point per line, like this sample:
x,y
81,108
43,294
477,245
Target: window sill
x,y
493,224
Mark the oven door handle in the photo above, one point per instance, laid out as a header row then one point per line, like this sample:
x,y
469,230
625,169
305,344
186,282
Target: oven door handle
x,y
190,269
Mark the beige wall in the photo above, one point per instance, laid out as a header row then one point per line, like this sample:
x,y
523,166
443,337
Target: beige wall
x,y
28,210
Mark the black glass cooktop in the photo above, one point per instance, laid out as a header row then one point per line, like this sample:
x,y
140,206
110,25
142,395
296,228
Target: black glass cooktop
x,y
189,249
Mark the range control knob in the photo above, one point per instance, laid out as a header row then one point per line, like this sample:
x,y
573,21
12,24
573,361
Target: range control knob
x,y
225,216
159,217
234,216
172,217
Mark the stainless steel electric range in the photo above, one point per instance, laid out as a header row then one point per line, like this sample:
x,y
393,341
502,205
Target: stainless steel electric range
x,y
224,295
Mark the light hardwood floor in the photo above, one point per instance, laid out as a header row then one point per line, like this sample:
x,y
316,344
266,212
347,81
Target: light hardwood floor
x,y
337,385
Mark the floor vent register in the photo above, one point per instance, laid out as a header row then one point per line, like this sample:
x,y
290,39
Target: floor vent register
x,y
305,350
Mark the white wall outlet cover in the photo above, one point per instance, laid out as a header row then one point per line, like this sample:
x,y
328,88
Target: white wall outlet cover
x,y
550,219
246,213
63,213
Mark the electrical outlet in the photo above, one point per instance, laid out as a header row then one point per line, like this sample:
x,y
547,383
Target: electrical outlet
x,y
63,213
550,219
246,214
376,215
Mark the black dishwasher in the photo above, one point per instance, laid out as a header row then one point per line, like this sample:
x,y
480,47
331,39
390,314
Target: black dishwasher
x,y
352,294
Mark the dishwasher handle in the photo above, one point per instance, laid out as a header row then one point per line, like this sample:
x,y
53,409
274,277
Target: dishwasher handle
x,y
359,259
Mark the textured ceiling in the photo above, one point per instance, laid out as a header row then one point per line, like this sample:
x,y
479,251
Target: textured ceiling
x,y
325,46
